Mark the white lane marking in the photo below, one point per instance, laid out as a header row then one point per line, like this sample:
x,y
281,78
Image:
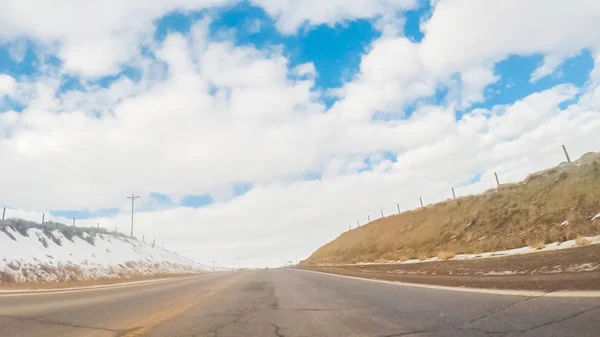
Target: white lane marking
x,y
505,292
92,288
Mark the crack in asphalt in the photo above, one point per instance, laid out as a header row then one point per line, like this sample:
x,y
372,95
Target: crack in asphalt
x,y
48,322
490,332
554,321
493,312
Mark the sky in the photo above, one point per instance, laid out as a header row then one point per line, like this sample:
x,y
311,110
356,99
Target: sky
x,y
260,130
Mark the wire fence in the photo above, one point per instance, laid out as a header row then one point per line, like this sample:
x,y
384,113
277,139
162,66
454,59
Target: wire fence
x,y
397,209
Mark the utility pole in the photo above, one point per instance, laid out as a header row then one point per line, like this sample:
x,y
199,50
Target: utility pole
x,y
3,213
43,215
132,197
357,223
566,154
453,194
369,217
382,213
497,180
421,200
73,222
398,206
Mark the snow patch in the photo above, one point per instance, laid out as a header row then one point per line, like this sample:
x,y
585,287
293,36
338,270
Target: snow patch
x,y
45,255
510,252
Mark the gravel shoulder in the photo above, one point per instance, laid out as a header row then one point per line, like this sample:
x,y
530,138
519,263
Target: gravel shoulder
x,y
570,269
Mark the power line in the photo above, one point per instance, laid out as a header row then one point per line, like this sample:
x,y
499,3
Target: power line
x,y
132,197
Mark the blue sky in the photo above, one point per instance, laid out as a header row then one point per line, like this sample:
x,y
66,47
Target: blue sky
x,y
335,50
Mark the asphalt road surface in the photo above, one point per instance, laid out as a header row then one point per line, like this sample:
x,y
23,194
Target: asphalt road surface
x,y
291,303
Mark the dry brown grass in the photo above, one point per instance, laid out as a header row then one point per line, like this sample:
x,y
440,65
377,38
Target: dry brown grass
x,y
580,241
513,216
446,255
538,245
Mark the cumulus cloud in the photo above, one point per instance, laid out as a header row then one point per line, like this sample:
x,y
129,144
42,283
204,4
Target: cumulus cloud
x,y
292,14
7,85
92,38
462,43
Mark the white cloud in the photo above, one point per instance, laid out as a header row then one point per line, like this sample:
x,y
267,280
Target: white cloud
x,y
292,14
464,40
7,85
92,38
306,69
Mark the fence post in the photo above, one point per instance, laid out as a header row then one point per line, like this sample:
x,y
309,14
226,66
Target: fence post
x,y
3,213
421,200
566,154
497,180
398,206
453,194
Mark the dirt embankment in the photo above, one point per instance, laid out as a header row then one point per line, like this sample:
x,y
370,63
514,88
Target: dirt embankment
x,y
569,269
549,206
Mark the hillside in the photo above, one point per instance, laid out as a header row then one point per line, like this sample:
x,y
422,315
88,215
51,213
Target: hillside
x,y
31,252
553,205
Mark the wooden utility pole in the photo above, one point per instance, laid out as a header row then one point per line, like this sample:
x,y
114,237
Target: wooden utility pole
x,y
566,154
497,180
369,217
43,216
3,213
453,194
398,206
421,200
132,197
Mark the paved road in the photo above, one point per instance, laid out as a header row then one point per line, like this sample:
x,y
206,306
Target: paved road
x,y
291,303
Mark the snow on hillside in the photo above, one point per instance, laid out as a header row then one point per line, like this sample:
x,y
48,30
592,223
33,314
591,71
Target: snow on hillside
x,y
47,255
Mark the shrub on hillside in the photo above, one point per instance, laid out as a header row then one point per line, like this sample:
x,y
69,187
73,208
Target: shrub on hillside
x,y
51,236
8,233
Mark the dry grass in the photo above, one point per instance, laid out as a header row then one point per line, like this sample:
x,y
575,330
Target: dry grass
x,y
538,245
422,257
580,241
446,255
513,216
